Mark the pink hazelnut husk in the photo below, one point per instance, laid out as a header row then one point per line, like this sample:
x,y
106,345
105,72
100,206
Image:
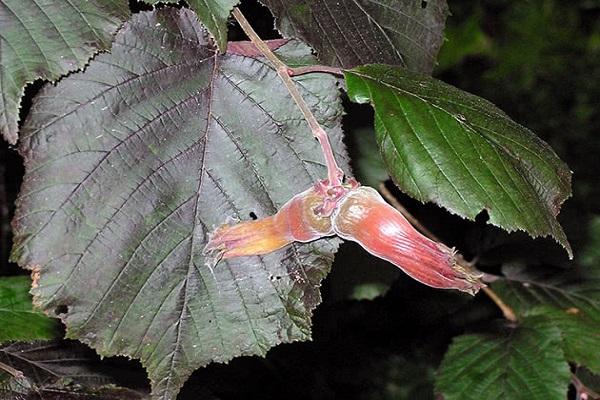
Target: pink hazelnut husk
x,y
364,217
296,221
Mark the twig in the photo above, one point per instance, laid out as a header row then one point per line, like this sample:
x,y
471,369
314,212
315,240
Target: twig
x,y
508,312
314,68
12,371
582,392
334,172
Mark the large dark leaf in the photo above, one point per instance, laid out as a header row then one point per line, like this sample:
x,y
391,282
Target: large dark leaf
x,y
577,290
353,32
213,14
42,39
524,363
18,319
131,164
460,151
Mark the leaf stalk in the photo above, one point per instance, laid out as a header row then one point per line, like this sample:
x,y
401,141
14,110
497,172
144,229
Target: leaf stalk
x,y
335,174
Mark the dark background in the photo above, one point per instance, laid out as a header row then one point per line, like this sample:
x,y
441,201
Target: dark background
x,y
537,60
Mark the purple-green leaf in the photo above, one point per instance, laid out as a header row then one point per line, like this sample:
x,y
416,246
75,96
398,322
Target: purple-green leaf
x,y
354,32
129,167
213,14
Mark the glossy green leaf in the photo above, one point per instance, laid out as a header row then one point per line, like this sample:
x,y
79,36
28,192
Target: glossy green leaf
x,y
18,319
213,14
130,166
351,33
444,145
523,363
47,39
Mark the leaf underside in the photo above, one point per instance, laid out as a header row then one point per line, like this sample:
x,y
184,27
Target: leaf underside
x,y
524,364
41,39
129,167
354,32
460,151
213,14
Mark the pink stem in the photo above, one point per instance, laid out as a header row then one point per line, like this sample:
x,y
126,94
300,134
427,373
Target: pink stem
x,y
334,173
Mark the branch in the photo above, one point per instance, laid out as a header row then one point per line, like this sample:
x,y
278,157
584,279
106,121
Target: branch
x,y
508,312
12,371
582,391
334,172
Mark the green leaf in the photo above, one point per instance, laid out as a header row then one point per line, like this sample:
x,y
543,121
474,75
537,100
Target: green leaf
x,y
350,33
524,363
213,14
581,335
590,254
18,319
463,40
41,39
130,166
575,289
444,145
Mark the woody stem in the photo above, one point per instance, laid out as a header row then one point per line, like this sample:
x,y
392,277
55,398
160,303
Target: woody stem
x,y
334,172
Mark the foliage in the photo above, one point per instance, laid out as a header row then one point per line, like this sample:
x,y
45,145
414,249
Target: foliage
x,y
141,242
523,363
444,145
213,15
133,156
18,319
46,41
350,33
65,369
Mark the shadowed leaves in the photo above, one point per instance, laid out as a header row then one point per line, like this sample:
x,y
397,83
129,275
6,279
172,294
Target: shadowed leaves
x,y
520,363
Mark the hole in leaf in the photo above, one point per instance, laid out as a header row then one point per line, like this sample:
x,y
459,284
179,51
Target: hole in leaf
x,y
424,4
60,310
253,215
482,217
